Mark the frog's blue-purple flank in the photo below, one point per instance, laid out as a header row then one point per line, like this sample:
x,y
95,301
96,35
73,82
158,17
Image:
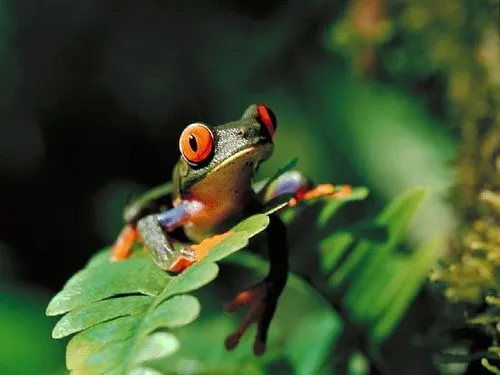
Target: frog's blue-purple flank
x,y
211,192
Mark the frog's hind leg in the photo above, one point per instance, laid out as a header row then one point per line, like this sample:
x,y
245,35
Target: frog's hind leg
x,y
302,188
263,297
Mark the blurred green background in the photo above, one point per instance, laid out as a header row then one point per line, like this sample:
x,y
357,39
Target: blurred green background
x,y
94,94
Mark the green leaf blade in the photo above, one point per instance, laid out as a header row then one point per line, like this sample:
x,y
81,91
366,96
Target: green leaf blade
x,y
322,328
173,312
90,315
92,340
119,311
400,212
158,345
111,276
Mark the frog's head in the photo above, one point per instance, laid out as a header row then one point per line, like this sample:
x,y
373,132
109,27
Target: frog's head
x,y
228,153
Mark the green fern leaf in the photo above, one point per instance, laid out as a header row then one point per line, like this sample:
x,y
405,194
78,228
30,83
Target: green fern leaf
x,y
312,319
119,312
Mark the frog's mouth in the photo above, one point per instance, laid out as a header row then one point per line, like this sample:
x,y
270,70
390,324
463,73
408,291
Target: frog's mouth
x,y
249,156
234,174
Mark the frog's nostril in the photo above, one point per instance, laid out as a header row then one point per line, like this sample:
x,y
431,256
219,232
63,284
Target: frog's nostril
x,y
249,132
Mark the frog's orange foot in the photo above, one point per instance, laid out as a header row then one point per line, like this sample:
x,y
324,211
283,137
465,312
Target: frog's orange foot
x,y
180,264
123,244
203,248
255,297
199,251
323,190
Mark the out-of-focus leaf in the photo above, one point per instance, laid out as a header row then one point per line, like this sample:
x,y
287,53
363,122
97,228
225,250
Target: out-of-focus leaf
x,y
319,330
25,344
332,206
404,286
380,281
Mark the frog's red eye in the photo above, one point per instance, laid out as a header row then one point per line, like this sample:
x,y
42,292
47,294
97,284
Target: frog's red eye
x,y
196,143
267,118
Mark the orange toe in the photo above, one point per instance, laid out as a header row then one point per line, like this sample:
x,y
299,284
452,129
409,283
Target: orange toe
x,y
123,245
343,191
323,190
181,264
243,298
200,250
203,248
319,191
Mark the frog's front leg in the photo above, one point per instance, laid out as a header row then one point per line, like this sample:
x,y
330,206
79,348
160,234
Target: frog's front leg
x,y
293,182
148,203
123,244
155,228
263,297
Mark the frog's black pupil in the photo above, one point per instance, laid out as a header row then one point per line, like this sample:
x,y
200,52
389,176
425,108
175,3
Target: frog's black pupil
x,y
192,143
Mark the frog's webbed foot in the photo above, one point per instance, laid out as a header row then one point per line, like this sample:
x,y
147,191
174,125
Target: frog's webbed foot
x,y
162,250
262,299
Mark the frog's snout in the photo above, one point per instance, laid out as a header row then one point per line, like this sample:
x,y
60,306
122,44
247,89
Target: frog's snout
x,y
256,134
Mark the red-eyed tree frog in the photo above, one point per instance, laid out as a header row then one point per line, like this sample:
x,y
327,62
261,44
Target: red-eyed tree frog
x,y
211,191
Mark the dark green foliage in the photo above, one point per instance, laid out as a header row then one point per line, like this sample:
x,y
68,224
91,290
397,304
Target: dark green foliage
x,y
452,49
382,282
130,315
23,321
